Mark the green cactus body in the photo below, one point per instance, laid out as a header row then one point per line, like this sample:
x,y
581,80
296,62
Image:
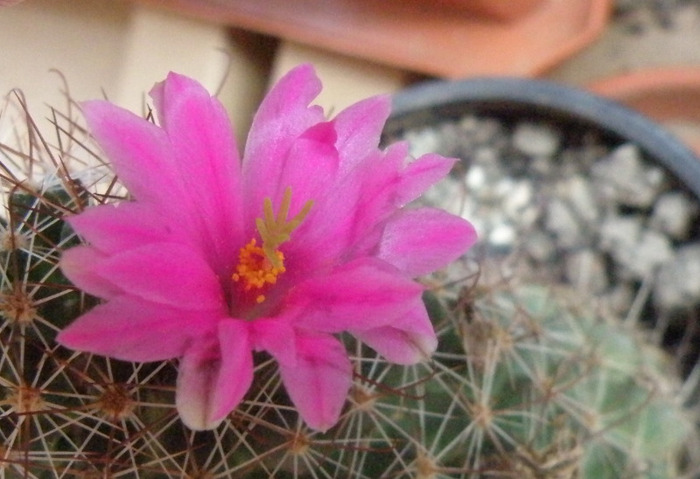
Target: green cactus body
x,y
570,390
527,383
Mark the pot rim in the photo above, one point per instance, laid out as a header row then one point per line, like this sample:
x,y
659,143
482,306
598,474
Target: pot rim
x,y
548,100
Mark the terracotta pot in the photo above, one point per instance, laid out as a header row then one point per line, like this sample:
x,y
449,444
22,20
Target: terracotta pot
x,y
668,95
502,10
416,35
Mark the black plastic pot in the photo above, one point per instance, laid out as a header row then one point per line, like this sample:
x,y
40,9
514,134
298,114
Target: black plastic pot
x,y
432,102
575,112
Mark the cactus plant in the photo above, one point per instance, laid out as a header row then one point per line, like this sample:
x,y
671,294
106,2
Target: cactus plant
x,y
527,382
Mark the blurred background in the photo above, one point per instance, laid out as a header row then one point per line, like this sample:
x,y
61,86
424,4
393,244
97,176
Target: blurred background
x,y
118,49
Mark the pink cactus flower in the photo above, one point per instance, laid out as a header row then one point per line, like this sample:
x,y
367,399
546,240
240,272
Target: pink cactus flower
x,y
217,256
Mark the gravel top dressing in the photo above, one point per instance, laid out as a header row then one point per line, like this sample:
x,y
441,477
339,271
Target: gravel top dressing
x,y
570,204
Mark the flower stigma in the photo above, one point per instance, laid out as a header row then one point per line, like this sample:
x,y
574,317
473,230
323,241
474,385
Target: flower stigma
x,y
259,266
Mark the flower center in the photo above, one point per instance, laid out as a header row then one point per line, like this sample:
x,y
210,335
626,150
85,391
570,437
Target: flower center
x,y
259,266
255,270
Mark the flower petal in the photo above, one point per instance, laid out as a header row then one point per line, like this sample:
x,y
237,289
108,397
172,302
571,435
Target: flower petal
x,y
78,265
273,335
283,115
356,131
380,177
236,370
314,151
115,228
312,248
359,128
319,380
420,174
214,376
165,273
423,240
387,183
205,156
361,295
139,152
406,342
131,329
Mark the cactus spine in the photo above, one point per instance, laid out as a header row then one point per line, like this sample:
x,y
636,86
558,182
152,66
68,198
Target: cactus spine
x,y
527,382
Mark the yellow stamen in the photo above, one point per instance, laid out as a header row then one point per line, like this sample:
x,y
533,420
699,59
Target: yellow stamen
x,y
254,268
259,266
275,230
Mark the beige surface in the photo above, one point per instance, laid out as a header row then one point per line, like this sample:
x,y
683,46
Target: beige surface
x,y
121,49
82,39
157,42
117,49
